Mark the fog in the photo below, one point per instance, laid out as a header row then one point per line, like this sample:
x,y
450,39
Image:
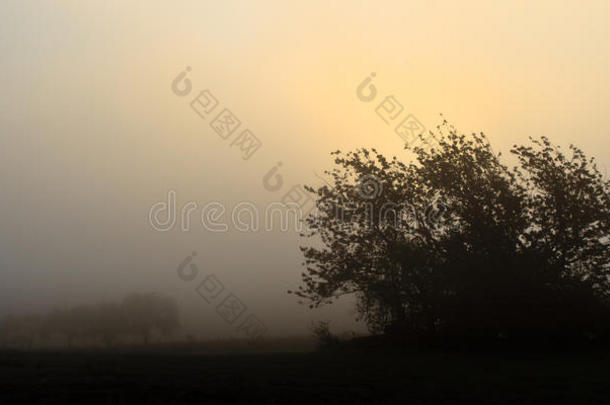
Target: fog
x,y
94,136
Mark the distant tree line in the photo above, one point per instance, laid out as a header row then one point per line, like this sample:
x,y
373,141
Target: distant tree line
x,y
138,315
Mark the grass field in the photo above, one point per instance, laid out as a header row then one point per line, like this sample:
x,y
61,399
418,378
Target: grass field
x,y
166,376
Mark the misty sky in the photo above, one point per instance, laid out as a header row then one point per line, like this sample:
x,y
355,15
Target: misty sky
x,y
91,134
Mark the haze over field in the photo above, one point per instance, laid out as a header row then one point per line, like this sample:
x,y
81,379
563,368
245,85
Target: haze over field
x,y
92,135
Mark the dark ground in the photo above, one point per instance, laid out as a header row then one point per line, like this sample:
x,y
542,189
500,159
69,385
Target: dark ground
x,y
155,376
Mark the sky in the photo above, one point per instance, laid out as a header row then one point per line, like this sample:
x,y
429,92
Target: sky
x,y
93,134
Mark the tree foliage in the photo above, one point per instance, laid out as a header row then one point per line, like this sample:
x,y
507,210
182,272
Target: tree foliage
x,y
459,245
137,315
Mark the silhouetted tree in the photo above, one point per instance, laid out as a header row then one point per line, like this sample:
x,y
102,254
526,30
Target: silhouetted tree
x,y
458,245
326,340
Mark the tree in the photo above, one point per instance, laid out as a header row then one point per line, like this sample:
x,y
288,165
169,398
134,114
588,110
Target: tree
x,y
73,323
19,330
147,312
458,245
108,322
